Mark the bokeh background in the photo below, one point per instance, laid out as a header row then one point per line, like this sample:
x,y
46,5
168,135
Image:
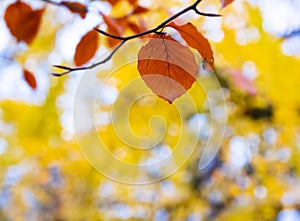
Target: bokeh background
x,y
254,176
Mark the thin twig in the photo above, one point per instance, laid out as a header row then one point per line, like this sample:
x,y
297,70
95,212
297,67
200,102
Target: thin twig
x,y
69,70
127,38
163,24
206,14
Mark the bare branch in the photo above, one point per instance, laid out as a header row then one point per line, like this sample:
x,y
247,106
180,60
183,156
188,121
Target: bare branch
x,y
62,67
69,70
158,28
153,30
206,14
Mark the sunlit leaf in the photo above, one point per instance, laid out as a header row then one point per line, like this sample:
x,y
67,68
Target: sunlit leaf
x,y
22,21
113,28
226,2
195,40
76,7
167,67
86,48
30,79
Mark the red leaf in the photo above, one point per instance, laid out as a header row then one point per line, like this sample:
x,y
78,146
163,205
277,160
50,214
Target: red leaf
x,y
168,68
121,22
113,28
76,7
140,10
22,21
242,82
137,27
30,79
195,40
86,48
226,2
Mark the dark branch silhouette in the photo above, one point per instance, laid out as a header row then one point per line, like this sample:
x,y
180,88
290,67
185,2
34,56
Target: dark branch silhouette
x,y
69,70
158,28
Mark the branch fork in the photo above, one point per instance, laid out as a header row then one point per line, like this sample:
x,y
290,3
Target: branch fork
x,y
157,29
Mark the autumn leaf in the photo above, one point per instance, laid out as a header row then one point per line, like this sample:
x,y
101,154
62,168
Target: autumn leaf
x,y
86,48
140,10
76,7
113,28
224,3
22,21
195,40
30,79
168,68
136,26
121,22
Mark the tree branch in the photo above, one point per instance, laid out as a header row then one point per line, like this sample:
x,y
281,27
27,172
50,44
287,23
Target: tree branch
x,y
69,70
206,14
192,7
163,24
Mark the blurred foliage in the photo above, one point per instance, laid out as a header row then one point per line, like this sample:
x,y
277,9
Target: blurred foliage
x,y
255,176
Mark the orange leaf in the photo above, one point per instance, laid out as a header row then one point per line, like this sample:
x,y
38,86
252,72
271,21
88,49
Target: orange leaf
x,y
22,21
195,40
113,28
136,27
86,48
121,22
30,79
168,68
76,7
139,10
226,2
